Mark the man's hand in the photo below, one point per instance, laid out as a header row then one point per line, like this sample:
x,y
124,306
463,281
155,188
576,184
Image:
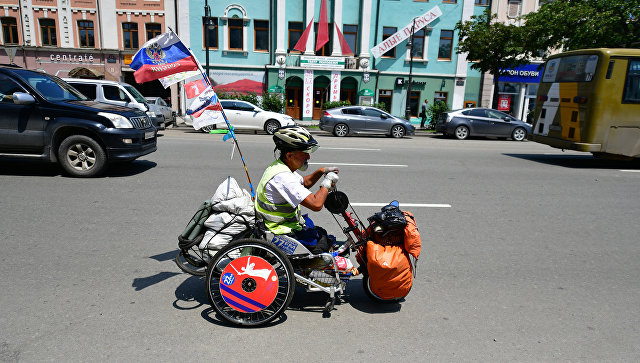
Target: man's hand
x,y
330,169
330,180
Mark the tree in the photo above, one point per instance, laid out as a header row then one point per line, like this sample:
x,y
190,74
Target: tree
x,y
491,46
580,24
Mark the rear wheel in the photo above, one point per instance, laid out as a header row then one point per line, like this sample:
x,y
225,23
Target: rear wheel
x,y
461,132
81,156
250,282
398,131
341,130
271,126
519,134
367,290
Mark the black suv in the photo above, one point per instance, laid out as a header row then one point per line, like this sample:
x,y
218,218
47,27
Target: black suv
x,y
43,117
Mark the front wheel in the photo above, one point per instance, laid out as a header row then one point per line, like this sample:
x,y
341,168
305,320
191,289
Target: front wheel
x,y
461,132
341,130
250,282
367,290
81,156
208,128
271,126
397,131
519,134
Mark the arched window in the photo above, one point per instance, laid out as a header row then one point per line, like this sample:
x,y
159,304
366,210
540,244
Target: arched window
x,y
234,30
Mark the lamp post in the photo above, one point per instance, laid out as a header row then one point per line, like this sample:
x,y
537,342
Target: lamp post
x,y
410,47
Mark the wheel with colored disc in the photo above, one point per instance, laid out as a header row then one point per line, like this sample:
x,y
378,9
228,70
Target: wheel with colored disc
x,y
250,282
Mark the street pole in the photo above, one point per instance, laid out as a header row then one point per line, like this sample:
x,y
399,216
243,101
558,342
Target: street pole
x,y
207,15
410,46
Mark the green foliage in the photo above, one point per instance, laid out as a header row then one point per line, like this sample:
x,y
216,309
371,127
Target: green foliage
x,y
328,105
435,109
272,102
381,105
580,24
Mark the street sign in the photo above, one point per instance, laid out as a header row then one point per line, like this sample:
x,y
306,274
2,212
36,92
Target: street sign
x,y
11,52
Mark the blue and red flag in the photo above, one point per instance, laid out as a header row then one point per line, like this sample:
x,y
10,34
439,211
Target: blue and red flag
x,y
206,101
160,57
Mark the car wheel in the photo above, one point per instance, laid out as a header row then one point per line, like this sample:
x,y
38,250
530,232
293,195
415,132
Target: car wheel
x,y
341,130
461,132
81,156
162,125
271,126
398,131
519,134
207,128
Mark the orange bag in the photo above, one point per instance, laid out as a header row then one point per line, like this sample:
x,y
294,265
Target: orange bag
x,y
412,241
390,271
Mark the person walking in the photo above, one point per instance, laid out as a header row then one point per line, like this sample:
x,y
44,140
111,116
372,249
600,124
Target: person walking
x,y
423,113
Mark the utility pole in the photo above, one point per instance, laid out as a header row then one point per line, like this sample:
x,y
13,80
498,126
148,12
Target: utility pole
x,y
410,47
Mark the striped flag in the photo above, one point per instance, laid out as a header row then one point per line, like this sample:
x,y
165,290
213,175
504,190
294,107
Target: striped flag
x,y
160,57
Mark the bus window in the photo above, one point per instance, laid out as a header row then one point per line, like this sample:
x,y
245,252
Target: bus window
x,y
577,68
632,83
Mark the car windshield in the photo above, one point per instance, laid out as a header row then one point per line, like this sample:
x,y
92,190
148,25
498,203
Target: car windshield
x,y
51,88
136,95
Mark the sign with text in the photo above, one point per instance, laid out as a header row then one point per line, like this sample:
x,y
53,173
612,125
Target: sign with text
x,y
335,86
404,33
322,62
307,102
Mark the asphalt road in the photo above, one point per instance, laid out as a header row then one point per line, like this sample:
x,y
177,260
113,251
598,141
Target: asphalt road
x,y
536,259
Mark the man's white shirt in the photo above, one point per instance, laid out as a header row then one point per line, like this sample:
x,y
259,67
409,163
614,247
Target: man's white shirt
x,y
286,188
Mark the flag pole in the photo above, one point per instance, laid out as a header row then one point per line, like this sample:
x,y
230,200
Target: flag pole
x,y
224,116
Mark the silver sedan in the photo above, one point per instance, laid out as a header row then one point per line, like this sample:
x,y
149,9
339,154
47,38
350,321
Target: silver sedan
x,y
349,120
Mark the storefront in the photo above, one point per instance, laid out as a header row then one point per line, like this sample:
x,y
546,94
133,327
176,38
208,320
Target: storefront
x,y
517,90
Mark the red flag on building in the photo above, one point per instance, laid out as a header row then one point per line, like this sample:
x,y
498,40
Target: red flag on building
x,y
301,45
344,46
323,27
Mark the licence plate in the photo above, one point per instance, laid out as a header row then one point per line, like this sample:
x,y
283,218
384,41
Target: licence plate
x,y
149,135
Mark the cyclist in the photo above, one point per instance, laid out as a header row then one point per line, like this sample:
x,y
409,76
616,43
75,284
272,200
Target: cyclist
x,y
282,190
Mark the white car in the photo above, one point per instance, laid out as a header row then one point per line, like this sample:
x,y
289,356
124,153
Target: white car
x,y
160,108
247,116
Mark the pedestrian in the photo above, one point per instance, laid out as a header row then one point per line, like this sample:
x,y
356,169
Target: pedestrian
x,y
423,113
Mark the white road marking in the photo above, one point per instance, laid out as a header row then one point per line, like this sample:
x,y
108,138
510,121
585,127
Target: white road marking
x,y
630,171
348,148
414,205
350,164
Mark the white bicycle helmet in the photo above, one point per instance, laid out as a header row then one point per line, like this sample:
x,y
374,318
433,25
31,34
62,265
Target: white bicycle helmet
x,y
294,138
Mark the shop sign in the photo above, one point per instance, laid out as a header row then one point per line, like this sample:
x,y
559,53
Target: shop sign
x,y
524,74
71,58
404,33
365,92
365,77
322,62
401,82
335,86
504,102
281,73
275,89
111,58
307,110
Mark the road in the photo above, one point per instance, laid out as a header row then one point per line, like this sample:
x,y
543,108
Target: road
x,y
529,254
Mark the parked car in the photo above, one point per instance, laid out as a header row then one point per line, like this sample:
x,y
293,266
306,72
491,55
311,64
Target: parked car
x,y
43,117
158,106
481,122
246,116
115,93
348,120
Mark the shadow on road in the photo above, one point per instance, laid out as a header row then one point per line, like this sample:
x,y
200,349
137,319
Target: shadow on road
x,y
586,161
19,167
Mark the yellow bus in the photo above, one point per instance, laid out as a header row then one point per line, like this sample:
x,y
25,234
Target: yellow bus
x,y
589,100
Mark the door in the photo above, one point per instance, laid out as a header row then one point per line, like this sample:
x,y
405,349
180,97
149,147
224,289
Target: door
x,y
319,95
294,101
498,124
115,96
375,121
21,126
477,121
247,117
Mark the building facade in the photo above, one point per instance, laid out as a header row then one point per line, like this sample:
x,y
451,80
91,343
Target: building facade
x,y
251,45
83,38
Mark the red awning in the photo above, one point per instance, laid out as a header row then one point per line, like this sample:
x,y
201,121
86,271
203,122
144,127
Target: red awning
x,y
242,86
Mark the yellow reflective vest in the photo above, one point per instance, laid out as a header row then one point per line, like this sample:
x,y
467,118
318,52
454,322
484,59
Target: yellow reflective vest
x,y
278,218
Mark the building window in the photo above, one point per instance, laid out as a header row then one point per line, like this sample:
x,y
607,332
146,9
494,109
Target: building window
x,y
446,44
449,1
385,96
295,32
388,31
261,35
326,48
482,2
235,34
153,30
513,8
9,30
85,31
130,33
418,44
350,33
440,97
210,32
48,32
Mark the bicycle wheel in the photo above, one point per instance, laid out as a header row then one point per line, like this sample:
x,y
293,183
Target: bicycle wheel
x,y
191,262
367,289
250,282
